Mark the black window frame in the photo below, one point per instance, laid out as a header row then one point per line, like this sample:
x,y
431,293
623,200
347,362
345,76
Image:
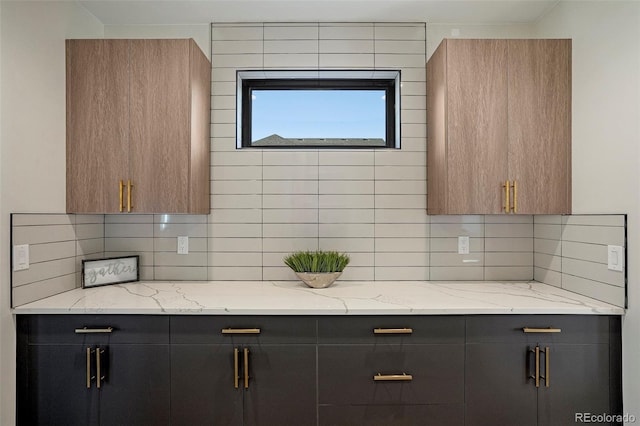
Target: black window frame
x,y
392,104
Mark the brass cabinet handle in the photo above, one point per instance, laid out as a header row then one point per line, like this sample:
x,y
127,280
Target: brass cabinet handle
x,y
536,351
88,368
392,330
541,330
98,373
240,331
507,189
392,377
129,205
121,199
515,196
86,330
246,368
236,376
546,366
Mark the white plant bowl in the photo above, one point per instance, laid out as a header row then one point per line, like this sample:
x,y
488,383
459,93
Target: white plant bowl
x,y
318,279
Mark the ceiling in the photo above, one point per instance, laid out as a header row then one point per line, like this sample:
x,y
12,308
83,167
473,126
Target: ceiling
x,y
162,12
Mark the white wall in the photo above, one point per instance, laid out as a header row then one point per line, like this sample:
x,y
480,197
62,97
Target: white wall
x,y
32,134
200,33
606,136
436,32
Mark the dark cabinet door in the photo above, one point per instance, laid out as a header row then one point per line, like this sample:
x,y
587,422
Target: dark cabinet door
x,y
578,368
578,383
203,389
282,386
497,385
136,386
280,390
57,392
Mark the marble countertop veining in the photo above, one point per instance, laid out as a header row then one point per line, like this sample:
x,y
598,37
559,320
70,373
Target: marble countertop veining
x,y
343,298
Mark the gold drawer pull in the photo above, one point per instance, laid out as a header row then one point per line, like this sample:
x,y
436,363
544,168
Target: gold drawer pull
x,y
392,330
541,330
86,330
392,377
240,331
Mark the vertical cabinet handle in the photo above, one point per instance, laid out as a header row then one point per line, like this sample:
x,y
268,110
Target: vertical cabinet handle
x,y
515,196
546,366
129,186
246,368
536,377
99,376
88,368
121,199
236,376
507,190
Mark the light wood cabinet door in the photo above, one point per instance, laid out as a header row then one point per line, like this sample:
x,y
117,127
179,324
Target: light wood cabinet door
x,y
540,124
499,110
477,131
160,130
97,124
137,111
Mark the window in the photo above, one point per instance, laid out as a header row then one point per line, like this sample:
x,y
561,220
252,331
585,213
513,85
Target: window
x,y
310,109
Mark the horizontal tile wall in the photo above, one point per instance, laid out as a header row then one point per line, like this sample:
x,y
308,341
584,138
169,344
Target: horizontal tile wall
x,y
267,203
57,245
154,238
571,252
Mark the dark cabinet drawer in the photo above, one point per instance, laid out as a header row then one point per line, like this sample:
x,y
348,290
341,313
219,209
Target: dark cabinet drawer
x,y
91,329
391,329
242,329
392,415
580,329
346,374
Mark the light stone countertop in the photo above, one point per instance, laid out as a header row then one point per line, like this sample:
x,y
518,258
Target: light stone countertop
x,y
343,298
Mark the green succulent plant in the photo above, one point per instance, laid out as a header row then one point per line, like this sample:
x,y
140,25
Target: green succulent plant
x,y
317,261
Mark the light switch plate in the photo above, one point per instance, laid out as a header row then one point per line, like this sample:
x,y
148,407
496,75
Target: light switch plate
x,y
615,258
463,245
21,257
183,245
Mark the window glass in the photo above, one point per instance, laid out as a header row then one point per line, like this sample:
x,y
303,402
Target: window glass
x,y
341,109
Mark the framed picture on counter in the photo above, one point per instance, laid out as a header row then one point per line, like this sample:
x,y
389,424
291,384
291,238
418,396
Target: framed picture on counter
x,y
114,270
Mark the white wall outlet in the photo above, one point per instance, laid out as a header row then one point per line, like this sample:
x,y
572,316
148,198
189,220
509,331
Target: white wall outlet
x,y
615,258
183,245
21,257
463,245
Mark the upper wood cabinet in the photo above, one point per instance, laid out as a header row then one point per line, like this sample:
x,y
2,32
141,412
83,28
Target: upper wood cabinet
x,y
498,111
138,114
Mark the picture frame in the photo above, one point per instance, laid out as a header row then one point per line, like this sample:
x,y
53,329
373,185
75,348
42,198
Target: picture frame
x,y
112,270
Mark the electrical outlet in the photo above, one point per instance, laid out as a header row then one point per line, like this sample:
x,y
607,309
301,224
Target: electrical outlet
x,y
615,256
183,245
21,257
463,245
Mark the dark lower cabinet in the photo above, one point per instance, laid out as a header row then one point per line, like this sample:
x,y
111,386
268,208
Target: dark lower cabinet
x,y
190,370
253,371
93,370
395,371
540,370
392,415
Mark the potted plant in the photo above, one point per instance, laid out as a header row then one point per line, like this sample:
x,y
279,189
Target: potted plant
x,y
318,269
